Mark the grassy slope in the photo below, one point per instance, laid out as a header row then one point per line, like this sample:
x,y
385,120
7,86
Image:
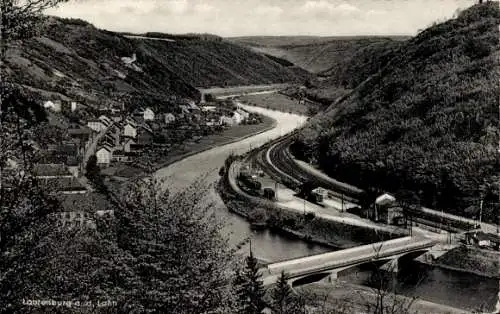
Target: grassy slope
x,y
427,122
90,57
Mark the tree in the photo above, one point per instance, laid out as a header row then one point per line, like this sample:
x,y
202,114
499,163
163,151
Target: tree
x,y
182,258
283,299
249,288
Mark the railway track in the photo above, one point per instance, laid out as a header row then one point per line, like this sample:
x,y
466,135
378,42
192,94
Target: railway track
x,y
281,167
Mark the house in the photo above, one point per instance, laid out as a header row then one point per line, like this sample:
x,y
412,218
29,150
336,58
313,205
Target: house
x,y
208,108
385,209
119,156
243,113
104,155
225,120
145,136
148,114
96,125
75,106
53,105
319,194
106,121
51,171
237,118
130,129
116,118
169,118
127,143
82,133
64,186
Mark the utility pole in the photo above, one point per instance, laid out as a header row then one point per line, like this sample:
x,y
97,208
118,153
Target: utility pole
x,y
304,206
480,213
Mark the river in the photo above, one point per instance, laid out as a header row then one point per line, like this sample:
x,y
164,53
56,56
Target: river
x,y
441,286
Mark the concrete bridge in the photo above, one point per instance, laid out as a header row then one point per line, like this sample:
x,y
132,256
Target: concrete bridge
x,y
386,254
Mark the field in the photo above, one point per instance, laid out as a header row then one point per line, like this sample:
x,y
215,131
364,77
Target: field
x,y
277,101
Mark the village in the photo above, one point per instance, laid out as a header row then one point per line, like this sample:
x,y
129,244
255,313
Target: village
x,y
111,137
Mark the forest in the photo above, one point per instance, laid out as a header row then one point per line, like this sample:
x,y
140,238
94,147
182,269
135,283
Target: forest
x,y
426,122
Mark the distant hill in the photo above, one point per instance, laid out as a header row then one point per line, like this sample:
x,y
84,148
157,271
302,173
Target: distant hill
x,y
340,63
76,60
313,53
426,122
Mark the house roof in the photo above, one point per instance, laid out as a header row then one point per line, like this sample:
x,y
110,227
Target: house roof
x,y
50,170
63,184
106,147
385,199
89,202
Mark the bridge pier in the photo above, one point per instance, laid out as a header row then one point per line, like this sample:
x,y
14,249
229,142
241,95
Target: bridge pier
x,y
332,277
391,266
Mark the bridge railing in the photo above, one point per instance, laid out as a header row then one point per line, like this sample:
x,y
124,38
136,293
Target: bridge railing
x,y
374,255
357,261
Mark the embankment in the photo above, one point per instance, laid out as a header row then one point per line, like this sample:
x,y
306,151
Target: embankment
x,y
472,260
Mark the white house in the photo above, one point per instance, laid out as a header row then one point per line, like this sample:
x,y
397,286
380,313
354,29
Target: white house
x,y
237,118
96,125
53,105
104,155
243,113
169,118
130,129
208,108
126,145
128,60
75,106
148,115
226,120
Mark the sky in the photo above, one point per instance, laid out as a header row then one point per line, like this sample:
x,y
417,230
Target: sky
x,y
264,17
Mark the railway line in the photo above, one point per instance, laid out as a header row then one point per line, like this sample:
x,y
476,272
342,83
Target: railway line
x,y
276,161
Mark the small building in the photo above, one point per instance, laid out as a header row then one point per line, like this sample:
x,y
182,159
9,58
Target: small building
x,y
225,120
83,133
106,121
51,171
96,125
116,118
169,118
64,186
148,114
319,194
243,113
104,155
127,143
208,108
385,209
130,129
119,156
55,106
237,118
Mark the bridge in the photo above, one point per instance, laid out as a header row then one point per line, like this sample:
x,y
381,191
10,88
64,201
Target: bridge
x,y
330,264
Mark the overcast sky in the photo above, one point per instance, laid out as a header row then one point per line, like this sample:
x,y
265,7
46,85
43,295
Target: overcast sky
x,y
264,17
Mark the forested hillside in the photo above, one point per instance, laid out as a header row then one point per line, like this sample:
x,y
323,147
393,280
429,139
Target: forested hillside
x,y
427,122
77,60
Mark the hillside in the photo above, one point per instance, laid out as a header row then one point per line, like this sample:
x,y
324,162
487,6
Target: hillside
x,y
76,60
340,63
427,122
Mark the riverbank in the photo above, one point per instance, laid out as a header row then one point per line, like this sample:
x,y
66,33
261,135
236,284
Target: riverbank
x,y
234,134
308,227
472,260
351,298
